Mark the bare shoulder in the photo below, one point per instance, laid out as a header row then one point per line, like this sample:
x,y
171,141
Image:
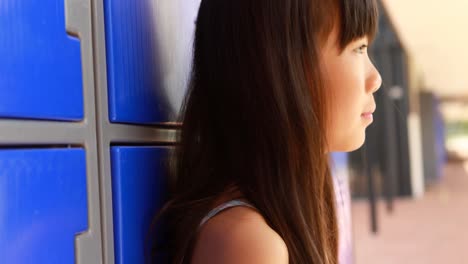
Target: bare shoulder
x,y
239,235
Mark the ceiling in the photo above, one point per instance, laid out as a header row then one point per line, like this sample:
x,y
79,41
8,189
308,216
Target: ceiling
x,y
435,33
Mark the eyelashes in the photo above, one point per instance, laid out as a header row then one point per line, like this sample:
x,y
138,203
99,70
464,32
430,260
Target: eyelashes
x,y
362,49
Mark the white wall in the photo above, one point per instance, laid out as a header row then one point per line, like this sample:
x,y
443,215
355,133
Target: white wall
x,y
436,34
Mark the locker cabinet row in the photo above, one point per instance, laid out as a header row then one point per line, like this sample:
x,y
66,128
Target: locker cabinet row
x,y
148,51
43,202
44,191
40,65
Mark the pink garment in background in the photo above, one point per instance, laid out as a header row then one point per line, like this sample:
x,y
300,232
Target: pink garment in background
x,y
343,200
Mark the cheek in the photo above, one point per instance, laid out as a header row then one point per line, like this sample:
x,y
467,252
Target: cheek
x,y
346,103
345,96
346,132
343,77
336,87
347,90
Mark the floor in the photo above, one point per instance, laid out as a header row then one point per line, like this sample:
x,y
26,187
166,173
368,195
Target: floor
x,y
431,229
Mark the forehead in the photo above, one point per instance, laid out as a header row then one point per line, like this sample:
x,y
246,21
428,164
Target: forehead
x,y
333,46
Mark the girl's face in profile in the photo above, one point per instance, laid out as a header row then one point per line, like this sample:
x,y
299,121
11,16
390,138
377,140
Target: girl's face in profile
x,y
350,80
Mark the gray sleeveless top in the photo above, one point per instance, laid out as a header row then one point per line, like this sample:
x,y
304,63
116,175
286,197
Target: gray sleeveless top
x,y
218,209
223,206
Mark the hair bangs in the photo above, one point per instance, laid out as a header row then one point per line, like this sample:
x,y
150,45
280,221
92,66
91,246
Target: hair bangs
x,y
359,18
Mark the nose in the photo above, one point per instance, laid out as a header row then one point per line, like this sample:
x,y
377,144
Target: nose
x,y
374,80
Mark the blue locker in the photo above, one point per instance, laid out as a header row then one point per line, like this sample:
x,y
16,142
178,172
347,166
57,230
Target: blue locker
x,y
439,140
148,51
43,204
138,190
40,65
133,87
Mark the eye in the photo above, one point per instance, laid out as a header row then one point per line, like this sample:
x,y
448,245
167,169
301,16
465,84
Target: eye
x,y
362,49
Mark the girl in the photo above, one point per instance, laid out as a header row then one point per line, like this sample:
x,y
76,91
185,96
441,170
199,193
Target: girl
x,y
276,85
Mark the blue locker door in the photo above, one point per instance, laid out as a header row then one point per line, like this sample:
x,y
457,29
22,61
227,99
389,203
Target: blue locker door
x,y
149,52
43,204
138,190
40,65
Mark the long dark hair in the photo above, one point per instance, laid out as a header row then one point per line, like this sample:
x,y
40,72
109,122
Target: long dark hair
x,y
255,117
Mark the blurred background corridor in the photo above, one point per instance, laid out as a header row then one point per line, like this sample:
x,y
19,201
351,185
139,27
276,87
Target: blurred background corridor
x,y
431,229
409,184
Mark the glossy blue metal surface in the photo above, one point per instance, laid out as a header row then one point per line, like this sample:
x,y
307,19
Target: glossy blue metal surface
x,y
43,204
138,190
40,65
149,51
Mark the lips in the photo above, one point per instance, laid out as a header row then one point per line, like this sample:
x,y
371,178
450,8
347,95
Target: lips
x,y
370,111
369,114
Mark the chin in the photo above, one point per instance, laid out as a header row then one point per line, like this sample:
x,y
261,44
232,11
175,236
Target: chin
x,y
350,145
